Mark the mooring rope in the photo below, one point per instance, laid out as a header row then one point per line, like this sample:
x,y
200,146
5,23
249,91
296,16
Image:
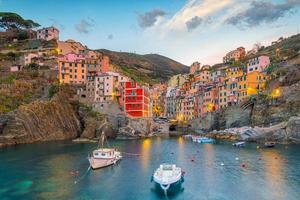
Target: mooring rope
x,y
131,154
86,172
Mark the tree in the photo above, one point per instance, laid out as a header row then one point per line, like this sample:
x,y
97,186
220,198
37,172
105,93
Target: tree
x,y
10,20
32,66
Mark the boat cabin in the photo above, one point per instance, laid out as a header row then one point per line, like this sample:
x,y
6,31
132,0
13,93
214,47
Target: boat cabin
x,y
104,153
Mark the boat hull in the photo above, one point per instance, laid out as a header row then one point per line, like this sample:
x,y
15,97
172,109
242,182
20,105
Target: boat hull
x,y
97,163
173,187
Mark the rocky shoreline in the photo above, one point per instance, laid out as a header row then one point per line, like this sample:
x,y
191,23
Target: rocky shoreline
x,y
284,132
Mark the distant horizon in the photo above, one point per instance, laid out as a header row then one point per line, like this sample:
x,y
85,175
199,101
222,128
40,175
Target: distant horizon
x,y
185,31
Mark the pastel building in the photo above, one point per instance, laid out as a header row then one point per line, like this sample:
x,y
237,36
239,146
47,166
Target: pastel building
x,y
203,75
235,55
255,82
48,33
70,46
177,80
72,70
259,63
137,100
196,66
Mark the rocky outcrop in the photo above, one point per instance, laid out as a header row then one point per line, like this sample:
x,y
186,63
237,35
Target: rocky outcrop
x,y
284,132
136,128
94,124
233,116
40,121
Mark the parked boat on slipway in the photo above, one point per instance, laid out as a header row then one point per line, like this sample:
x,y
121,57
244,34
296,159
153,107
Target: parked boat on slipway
x,y
202,139
103,157
168,176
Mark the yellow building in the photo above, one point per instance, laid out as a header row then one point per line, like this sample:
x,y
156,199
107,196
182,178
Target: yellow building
x,y
235,84
256,82
72,72
242,87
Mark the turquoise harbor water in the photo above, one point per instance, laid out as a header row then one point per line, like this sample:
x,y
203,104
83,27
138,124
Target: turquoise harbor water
x,y
42,171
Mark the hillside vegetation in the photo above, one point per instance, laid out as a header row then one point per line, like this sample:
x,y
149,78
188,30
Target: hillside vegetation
x,y
149,68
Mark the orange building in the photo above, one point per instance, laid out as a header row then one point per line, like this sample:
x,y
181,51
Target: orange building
x,y
72,72
256,82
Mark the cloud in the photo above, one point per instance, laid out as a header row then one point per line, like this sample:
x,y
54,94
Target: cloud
x,y
194,10
57,24
84,26
260,12
110,36
148,19
193,23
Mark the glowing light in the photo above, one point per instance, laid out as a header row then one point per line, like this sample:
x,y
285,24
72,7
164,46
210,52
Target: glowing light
x,y
275,93
180,117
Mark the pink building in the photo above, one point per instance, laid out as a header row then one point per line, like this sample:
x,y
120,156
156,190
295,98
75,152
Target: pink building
x,y
196,66
259,64
48,33
105,65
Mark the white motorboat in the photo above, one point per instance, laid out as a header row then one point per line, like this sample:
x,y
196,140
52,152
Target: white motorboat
x,y
103,157
168,176
239,144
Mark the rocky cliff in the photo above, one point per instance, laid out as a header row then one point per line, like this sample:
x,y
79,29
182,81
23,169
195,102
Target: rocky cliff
x,y
55,119
284,132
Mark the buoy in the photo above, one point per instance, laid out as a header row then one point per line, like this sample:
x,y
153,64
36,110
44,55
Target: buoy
x,y
243,165
222,164
257,147
236,158
192,160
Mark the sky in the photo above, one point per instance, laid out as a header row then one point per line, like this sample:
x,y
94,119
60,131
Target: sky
x,y
184,30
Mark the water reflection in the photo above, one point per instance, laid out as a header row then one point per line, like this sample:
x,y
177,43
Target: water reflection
x,y
274,174
145,158
57,184
209,164
181,153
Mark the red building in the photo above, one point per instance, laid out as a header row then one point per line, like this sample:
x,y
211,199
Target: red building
x,y
137,100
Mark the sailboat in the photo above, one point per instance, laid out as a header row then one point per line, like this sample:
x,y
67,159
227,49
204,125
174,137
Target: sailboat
x,y
103,157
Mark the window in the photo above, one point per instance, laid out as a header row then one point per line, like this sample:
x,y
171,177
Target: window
x,y
82,71
75,70
82,76
75,64
75,76
70,76
70,70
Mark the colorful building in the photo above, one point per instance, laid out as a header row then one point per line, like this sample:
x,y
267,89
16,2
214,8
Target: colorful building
x,y
196,66
48,33
256,82
72,71
137,100
259,63
235,55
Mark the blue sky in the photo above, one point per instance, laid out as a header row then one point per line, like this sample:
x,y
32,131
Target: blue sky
x,y
184,30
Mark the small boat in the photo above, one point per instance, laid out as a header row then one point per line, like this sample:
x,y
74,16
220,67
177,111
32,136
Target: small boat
x,y
187,136
269,144
195,138
103,157
204,140
239,144
168,176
